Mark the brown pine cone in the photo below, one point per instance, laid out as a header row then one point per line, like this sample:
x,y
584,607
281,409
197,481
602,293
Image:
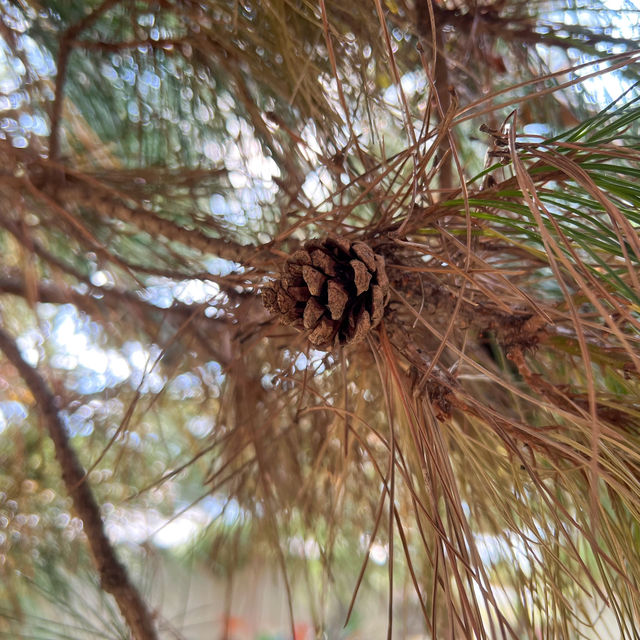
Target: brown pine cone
x,y
336,290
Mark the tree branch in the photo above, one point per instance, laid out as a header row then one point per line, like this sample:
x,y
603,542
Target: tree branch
x,y
113,575
61,66
215,335
92,194
101,45
426,32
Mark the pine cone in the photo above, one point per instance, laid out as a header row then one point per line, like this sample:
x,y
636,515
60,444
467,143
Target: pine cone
x,y
336,290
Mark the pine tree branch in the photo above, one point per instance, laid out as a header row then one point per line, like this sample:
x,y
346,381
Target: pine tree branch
x,y
59,186
93,195
429,30
214,335
61,65
155,226
113,298
230,284
113,575
101,45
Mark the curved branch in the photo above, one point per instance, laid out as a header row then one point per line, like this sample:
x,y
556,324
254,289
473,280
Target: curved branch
x,y
113,575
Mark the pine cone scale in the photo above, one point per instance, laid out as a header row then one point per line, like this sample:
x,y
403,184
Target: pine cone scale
x,y
377,304
313,311
323,333
337,299
335,289
366,255
315,280
361,276
323,262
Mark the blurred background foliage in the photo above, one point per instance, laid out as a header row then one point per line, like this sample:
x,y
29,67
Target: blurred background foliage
x,y
160,158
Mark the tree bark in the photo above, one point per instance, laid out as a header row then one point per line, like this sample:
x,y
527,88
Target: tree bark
x,y
113,575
